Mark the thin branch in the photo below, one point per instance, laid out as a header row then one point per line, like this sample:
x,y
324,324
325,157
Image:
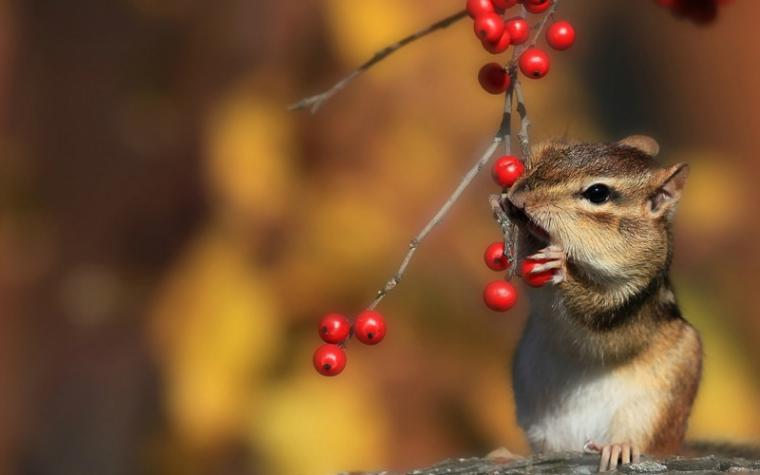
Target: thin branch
x,y
316,101
505,224
508,231
436,220
514,239
522,134
503,135
549,15
505,129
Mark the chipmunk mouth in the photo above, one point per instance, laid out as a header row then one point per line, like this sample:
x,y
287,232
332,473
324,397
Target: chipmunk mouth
x,y
525,221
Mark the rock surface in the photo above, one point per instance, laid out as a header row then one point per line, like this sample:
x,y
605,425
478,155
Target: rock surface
x,y
575,463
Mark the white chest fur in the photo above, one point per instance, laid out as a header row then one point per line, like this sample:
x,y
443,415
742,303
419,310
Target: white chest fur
x,y
562,402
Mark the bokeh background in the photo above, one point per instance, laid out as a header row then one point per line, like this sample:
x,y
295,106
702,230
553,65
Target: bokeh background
x,y
170,235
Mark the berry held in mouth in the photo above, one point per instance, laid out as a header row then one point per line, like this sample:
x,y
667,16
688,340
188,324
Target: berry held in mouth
x,y
532,278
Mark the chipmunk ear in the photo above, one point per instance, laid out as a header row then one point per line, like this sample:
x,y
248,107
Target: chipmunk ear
x,y
643,143
668,192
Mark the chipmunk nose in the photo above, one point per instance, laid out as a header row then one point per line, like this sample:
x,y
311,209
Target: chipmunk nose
x,y
518,193
517,198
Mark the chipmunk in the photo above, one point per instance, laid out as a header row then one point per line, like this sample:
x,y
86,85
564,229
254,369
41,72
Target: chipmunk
x,y
606,361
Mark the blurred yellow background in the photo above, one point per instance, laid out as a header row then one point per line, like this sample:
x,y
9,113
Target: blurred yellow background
x,y
170,235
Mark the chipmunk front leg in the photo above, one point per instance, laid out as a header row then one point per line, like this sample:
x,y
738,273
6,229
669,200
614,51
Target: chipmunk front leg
x,y
612,454
556,260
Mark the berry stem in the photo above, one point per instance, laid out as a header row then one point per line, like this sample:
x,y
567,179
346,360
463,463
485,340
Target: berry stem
x,y
315,102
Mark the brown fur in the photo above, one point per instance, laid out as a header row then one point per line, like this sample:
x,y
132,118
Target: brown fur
x,y
616,308
671,428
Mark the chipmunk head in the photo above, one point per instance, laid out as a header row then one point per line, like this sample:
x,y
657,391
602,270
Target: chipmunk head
x,y
609,206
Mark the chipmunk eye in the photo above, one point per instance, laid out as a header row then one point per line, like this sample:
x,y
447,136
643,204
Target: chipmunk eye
x,y
597,193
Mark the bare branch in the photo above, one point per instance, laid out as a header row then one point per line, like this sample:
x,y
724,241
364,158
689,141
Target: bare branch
x,y
437,219
505,129
522,134
549,15
315,102
508,231
503,135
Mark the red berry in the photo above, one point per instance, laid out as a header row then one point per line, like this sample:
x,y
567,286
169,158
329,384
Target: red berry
x,y
537,6
494,78
495,258
506,170
518,30
535,280
500,46
534,63
369,327
489,27
698,11
329,359
503,4
334,328
475,8
560,35
500,296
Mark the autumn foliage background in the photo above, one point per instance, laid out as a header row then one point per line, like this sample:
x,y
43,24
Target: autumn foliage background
x,y
170,234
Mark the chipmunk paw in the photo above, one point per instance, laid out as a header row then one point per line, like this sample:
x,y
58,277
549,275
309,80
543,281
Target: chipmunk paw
x,y
612,454
554,259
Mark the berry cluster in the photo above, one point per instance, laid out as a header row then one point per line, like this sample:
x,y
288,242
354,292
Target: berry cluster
x,y
501,295
698,11
336,329
497,33
497,30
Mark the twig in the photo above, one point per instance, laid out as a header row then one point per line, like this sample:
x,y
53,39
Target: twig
x,y
508,229
503,135
522,134
505,224
316,101
414,243
549,15
505,129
